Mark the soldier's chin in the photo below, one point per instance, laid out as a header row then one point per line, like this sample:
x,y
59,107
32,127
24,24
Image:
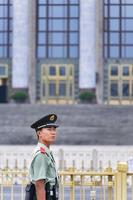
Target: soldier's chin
x,y
53,140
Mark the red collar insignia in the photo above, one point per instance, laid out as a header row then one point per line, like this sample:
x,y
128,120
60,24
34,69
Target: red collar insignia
x,y
42,150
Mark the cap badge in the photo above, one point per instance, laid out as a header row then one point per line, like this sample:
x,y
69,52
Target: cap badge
x,y
52,118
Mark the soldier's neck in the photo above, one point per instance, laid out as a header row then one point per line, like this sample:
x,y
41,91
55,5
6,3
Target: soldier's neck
x,y
45,143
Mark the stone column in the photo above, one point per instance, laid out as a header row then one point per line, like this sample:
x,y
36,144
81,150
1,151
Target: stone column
x,y
99,51
20,45
87,69
23,69
32,51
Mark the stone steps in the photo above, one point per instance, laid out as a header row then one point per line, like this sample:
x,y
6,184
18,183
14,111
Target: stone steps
x,y
79,124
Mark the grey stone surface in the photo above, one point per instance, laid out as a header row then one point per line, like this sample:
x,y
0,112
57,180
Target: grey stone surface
x,y
79,124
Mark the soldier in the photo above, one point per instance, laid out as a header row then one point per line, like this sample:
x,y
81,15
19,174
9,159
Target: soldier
x,y
42,169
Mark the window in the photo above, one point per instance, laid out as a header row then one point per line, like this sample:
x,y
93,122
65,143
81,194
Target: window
x,y
118,29
57,38
114,71
5,29
125,89
57,29
57,52
58,11
114,89
52,88
62,71
62,88
52,71
125,71
3,71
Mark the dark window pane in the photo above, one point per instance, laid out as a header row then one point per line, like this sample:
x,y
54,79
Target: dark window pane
x,y
52,88
3,24
125,89
2,71
57,52
58,11
114,71
128,51
52,71
74,11
127,1
127,38
3,11
3,1
114,11
74,1
62,89
73,52
74,24
42,11
73,38
42,25
41,52
57,25
42,1
114,89
125,71
114,38
57,1
3,51
41,38
57,38
114,51
62,71
114,1
127,11
114,24
127,24
3,38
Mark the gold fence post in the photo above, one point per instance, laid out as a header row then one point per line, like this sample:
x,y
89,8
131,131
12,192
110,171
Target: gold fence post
x,y
121,181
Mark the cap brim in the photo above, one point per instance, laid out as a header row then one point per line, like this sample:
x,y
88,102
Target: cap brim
x,y
51,125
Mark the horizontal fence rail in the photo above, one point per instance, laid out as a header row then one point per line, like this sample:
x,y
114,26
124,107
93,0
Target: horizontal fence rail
x,y
75,184
96,157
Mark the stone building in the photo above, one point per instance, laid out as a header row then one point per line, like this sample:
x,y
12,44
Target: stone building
x,y
56,49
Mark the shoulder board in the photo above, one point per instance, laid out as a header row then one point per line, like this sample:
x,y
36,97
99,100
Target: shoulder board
x,y
42,150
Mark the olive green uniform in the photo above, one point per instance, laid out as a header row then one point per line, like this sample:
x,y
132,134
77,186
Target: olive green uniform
x,y
43,165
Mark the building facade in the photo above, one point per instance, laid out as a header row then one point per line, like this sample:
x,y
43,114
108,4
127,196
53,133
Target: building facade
x,y
56,49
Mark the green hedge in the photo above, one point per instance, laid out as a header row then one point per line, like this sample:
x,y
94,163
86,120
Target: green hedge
x,y
87,96
19,97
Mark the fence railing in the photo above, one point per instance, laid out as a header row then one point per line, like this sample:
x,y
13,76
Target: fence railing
x,y
74,183
99,156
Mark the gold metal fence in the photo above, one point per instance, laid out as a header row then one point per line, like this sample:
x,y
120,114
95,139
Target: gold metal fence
x,y
74,184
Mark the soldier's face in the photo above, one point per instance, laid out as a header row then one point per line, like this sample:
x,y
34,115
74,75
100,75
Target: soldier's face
x,y
47,135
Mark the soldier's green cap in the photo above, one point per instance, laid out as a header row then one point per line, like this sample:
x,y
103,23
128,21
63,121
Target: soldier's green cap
x,y
45,122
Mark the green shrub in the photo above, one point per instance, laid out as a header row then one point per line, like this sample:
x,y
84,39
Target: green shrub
x,y
19,97
87,96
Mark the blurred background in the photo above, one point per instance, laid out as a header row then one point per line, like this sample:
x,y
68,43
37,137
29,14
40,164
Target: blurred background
x,y
73,58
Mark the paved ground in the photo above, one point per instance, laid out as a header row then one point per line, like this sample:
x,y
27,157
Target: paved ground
x,y
79,124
